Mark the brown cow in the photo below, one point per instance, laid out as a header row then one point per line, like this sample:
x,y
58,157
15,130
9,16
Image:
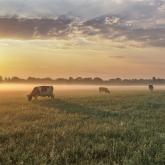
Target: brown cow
x,y
151,87
104,90
43,91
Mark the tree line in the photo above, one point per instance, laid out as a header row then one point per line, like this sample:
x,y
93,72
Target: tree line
x,y
83,80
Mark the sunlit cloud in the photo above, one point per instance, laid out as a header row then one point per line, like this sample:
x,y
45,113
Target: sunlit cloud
x,y
135,20
124,35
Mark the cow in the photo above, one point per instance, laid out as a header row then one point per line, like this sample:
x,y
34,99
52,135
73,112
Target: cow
x,y
104,90
43,91
151,87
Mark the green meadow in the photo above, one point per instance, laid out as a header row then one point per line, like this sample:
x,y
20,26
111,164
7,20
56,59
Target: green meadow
x,y
83,128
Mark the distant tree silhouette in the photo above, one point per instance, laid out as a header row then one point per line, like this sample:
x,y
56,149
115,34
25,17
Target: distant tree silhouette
x,y
15,79
61,80
7,79
85,80
71,80
97,80
47,79
78,79
154,79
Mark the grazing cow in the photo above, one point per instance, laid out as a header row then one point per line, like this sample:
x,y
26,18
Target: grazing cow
x,y
151,87
104,90
43,91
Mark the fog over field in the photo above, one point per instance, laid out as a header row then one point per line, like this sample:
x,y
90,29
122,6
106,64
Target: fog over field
x,y
81,126
29,87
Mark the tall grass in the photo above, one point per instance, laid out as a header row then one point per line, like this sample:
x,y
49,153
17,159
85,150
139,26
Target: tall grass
x,y
121,129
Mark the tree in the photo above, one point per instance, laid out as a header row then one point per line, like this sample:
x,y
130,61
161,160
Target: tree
x,y
97,80
153,78
71,79
15,79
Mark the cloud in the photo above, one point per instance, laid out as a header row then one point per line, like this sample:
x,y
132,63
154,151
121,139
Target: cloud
x,y
51,8
34,28
67,28
139,21
82,8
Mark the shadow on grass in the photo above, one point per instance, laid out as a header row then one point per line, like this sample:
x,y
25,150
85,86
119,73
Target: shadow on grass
x,y
72,107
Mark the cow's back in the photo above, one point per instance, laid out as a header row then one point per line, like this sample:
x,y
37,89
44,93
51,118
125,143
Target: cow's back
x,y
103,89
151,87
45,90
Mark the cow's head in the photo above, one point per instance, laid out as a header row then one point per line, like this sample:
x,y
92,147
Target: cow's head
x,y
29,97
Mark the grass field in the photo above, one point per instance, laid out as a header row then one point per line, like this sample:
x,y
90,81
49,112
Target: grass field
x,y
126,128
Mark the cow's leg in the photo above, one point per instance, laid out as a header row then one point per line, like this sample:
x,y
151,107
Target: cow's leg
x,y
52,96
36,97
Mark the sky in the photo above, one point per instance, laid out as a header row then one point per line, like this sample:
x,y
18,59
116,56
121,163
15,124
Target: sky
x,y
62,38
